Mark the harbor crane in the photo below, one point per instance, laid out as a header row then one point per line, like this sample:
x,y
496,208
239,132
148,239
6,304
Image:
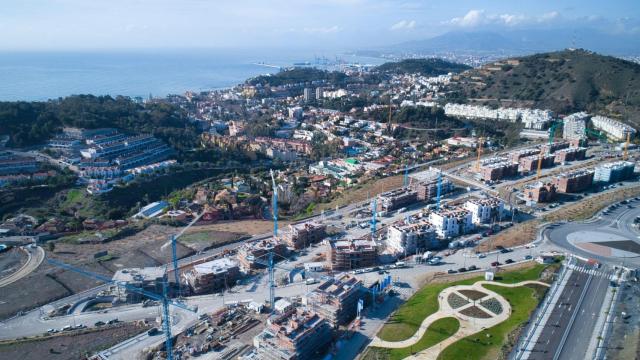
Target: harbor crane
x,y
163,299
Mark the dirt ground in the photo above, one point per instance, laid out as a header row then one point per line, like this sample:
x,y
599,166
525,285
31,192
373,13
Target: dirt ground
x,y
69,346
587,208
519,234
11,261
369,189
247,227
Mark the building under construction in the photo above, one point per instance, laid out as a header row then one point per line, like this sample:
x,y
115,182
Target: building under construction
x,y
213,275
570,154
555,146
336,299
300,236
407,237
349,254
396,199
149,278
529,164
539,192
574,181
497,168
425,184
298,334
253,255
515,156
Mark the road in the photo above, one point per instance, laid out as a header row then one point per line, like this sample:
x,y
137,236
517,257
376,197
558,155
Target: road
x,y
572,320
583,238
34,259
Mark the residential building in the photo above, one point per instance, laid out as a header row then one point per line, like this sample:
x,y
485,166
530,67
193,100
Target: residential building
x,y
409,237
539,192
350,254
614,129
570,154
396,199
212,275
336,299
294,335
16,164
574,181
613,172
299,236
253,255
574,126
308,95
485,210
529,164
497,168
451,222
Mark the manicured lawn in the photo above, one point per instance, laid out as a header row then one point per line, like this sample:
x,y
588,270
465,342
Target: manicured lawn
x,y
438,331
488,343
407,319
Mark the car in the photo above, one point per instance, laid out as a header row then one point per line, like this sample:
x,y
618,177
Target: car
x,y
504,251
473,267
52,330
99,323
462,269
66,328
153,331
528,257
509,261
451,271
113,321
482,256
495,263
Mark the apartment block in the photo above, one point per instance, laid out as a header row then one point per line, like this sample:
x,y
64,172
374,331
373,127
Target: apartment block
x,y
294,335
614,129
515,156
485,210
539,192
408,237
570,154
350,254
396,199
299,236
574,126
336,299
251,255
15,164
559,145
530,163
451,222
613,172
574,181
497,168
213,275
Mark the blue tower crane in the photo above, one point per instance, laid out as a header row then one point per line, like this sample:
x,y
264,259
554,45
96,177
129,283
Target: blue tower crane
x,y
439,190
374,213
270,264
405,179
163,299
175,263
274,206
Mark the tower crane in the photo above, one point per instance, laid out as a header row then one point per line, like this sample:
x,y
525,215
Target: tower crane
x,y
439,190
274,204
374,213
480,141
625,155
270,264
405,179
163,299
174,255
539,171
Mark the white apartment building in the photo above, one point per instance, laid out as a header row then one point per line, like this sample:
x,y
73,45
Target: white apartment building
x,y
614,129
536,119
574,126
406,238
451,223
483,210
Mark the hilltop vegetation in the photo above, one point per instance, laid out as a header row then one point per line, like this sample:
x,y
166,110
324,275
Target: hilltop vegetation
x,y
426,67
298,75
564,81
29,123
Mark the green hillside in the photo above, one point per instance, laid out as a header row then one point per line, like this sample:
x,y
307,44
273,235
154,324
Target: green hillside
x,y
427,67
564,81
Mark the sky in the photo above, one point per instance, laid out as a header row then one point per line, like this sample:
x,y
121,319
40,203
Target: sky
x,y
326,24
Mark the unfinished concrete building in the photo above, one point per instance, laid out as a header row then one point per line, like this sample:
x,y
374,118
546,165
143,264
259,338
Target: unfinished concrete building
x,y
299,236
396,199
251,255
336,299
515,156
574,181
349,254
425,184
298,334
149,278
555,146
539,192
213,275
406,238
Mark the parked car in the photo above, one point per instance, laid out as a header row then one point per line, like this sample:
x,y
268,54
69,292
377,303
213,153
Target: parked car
x,y
99,323
504,251
482,256
451,271
495,263
462,269
509,261
528,257
473,267
153,331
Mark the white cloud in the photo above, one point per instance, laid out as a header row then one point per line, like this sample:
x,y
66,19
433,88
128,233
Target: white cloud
x,y
323,30
404,25
475,18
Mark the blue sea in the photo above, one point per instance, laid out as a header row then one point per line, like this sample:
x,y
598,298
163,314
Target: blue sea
x,y
49,75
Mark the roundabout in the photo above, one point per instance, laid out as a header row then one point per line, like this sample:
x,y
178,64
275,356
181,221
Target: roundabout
x,y
611,237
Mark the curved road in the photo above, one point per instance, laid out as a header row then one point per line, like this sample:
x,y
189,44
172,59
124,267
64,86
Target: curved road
x,y
616,223
34,260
